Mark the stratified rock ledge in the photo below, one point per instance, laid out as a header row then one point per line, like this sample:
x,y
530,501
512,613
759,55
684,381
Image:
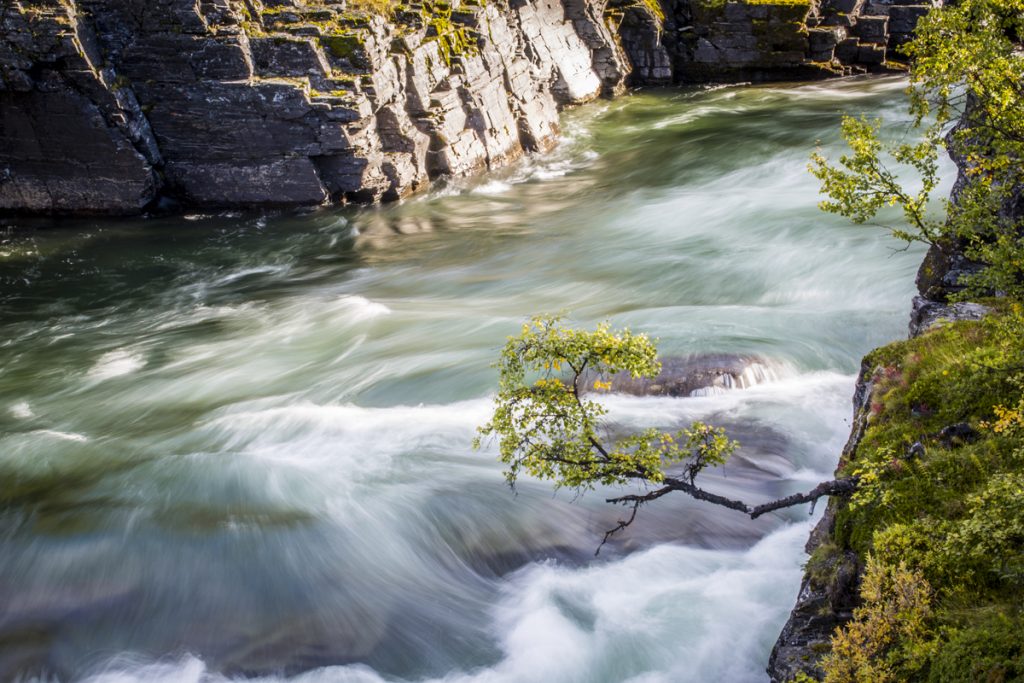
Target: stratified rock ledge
x,y
114,106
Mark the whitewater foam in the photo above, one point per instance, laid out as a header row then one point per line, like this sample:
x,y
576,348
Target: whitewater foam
x,y
21,410
116,363
671,614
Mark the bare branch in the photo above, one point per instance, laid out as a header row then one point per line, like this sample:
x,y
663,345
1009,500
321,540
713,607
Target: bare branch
x,y
700,494
836,487
623,523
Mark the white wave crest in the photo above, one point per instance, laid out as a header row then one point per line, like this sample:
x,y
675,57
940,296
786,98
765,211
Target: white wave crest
x,y
116,363
21,410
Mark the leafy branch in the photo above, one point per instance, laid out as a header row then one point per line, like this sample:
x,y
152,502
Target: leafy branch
x,y
967,99
547,427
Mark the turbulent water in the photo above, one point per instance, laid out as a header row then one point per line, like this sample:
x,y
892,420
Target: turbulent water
x,y
239,445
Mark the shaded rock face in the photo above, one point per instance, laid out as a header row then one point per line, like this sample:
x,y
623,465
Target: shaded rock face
x,y
699,375
730,40
826,601
926,313
70,138
107,106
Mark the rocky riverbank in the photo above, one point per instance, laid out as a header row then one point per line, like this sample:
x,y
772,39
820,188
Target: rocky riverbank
x,y
830,590
123,106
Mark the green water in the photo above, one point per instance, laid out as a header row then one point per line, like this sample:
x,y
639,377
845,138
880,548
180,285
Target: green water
x,y
238,445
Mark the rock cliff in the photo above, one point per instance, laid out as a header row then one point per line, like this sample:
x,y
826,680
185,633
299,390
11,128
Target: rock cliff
x,y
830,588
108,103
114,106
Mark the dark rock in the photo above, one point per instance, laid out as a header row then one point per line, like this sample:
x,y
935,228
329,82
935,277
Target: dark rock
x,y
70,140
926,313
846,50
876,9
280,56
58,154
827,597
841,6
232,182
823,42
958,434
872,29
870,54
737,11
941,271
903,18
698,375
846,20
915,451
896,43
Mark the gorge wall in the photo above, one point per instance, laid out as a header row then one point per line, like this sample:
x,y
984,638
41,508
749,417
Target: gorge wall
x,y
119,106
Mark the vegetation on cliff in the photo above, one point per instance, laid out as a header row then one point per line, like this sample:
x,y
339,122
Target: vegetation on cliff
x,y
938,519
966,99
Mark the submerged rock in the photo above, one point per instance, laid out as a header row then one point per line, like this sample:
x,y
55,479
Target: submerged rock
x,y
700,375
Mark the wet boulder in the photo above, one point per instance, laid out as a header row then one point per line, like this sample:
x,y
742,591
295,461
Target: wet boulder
x,y
699,375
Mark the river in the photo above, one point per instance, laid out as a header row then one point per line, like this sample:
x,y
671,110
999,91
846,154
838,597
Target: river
x,y
238,445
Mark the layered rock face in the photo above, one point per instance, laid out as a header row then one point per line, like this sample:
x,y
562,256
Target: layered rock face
x,y
71,136
106,104
718,40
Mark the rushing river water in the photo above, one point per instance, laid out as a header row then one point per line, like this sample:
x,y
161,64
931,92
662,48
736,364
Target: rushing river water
x,y
239,445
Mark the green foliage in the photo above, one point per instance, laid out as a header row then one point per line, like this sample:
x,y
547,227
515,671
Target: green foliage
x,y
864,184
342,45
889,638
801,677
549,428
990,650
381,7
962,373
965,58
991,534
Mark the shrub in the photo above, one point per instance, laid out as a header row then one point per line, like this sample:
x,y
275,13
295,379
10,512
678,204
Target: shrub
x,y
889,637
